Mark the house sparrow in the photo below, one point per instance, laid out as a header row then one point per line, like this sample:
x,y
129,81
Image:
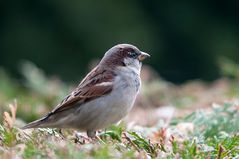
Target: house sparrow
x,y
103,97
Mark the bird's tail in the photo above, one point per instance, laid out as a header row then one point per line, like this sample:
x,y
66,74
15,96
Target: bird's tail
x,y
36,124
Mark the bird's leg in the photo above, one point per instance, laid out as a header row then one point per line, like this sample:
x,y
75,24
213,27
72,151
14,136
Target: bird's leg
x,y
94,137
91,137
81,138
91,134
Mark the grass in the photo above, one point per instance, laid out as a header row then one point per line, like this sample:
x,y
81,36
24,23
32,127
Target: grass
x,y
214,135
200,131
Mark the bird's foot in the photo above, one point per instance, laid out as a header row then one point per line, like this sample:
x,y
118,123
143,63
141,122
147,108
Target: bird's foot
x,y
91,138
95,138
80,138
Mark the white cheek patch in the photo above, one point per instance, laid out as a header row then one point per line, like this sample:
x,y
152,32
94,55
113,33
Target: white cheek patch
x,y
127,61
133,64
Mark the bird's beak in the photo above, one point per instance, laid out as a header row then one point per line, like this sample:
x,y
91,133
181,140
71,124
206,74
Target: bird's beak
x,y
142,56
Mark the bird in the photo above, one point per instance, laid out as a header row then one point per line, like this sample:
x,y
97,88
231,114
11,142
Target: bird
x,y
103,97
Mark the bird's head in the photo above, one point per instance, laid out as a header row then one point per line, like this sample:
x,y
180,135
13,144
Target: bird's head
x,y
124,55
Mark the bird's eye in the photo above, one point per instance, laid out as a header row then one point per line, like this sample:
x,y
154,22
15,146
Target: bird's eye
x,y
133,54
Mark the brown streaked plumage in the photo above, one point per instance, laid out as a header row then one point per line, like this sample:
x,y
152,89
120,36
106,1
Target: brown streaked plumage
x,y
98,93
87,89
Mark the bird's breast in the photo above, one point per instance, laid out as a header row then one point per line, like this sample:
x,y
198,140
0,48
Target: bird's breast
x,y
127,85
112,107
128,80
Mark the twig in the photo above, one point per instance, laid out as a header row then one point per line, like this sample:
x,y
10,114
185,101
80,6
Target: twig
x,y
221,149
131,142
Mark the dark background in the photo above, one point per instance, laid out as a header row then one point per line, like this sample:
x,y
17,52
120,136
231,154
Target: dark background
x,y
185,38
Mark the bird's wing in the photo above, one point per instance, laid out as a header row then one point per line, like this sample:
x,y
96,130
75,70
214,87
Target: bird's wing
x,y
96,84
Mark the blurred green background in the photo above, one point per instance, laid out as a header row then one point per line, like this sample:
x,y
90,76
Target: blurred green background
x,y
185,38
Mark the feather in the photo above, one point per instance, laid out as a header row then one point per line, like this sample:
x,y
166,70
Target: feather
x,y
96,84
